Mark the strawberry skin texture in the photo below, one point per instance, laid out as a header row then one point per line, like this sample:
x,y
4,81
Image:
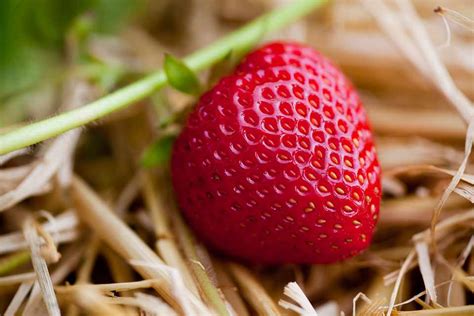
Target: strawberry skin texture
x,y
277,164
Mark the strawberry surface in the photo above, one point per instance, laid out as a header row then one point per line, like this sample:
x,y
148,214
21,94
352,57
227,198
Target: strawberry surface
x,y
277,164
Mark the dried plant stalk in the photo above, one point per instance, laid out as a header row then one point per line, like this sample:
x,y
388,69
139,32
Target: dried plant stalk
x,y
83,275
393,121
19,297
94,303
56,158
97,215
165,243
64,228
189,245
111,287
229,289
71,257
41,269
5,158
405,266
303,305
17,278
426,269
148,304
447,311
253,291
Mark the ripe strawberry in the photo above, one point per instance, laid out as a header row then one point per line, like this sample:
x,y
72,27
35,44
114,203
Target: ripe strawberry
x,y
277,164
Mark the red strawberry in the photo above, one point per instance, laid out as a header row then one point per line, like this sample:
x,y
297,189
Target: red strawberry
x,y
277,164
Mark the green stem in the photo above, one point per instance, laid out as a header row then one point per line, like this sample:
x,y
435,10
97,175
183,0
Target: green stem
x,y
14,261
201,59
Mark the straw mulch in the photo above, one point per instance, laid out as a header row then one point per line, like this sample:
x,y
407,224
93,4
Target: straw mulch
x,y
86,230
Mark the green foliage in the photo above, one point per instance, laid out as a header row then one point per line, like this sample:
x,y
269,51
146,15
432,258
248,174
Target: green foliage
x,y
180,76
158,153
32,34
50,19
18,67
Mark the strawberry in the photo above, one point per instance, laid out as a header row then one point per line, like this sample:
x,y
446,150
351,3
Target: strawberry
x,y
277,163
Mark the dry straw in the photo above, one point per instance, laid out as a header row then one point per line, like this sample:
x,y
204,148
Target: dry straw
x,y
115,243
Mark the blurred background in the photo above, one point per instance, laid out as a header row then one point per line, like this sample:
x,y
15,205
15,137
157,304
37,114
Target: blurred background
x,y
36,38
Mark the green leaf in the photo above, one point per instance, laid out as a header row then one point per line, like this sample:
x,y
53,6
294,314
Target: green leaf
x,y
180,76
32,34
48,20
159,152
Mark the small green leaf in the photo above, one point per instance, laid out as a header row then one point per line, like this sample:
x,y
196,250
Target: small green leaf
x,y
159,152
180,76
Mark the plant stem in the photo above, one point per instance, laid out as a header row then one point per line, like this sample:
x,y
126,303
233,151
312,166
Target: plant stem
x,y
241,39
14,261
189,246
